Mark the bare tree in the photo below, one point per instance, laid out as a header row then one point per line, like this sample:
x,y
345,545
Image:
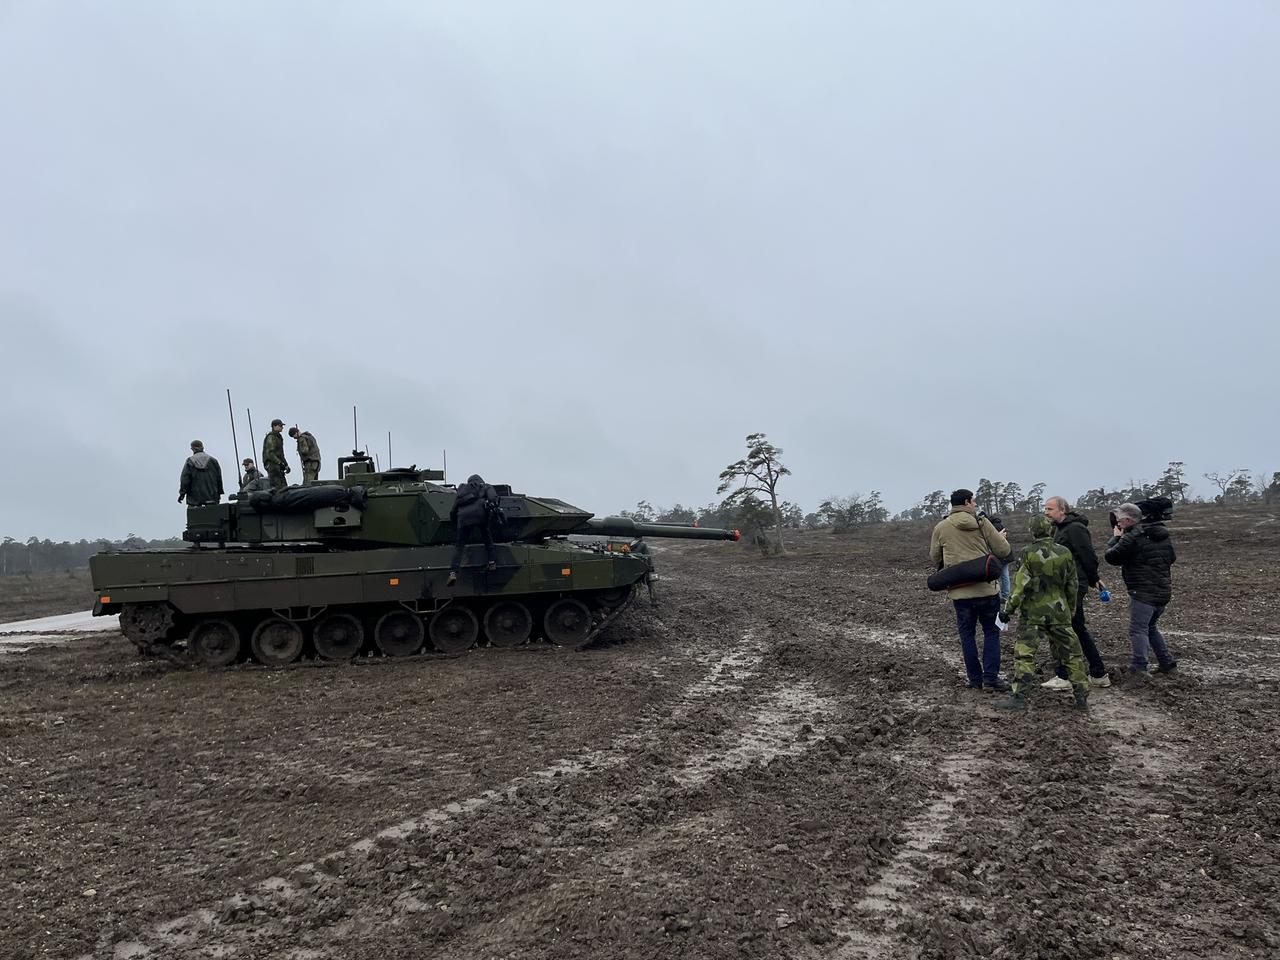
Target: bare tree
x,y
759,472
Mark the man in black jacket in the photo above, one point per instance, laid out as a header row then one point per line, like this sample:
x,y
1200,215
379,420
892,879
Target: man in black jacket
x,y
1144,554
473,511
201,480
1073,533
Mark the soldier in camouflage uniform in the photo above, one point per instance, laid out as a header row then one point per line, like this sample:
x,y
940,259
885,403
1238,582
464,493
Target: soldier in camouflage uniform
x,y
1044,597
273,456
308,453
251,473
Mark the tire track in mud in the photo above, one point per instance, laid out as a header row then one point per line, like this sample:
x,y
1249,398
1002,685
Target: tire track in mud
x,y
887,898
785,722
210,931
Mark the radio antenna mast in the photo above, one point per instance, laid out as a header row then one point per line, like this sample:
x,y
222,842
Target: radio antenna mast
x,y
389,460
355,430
234,443
249,413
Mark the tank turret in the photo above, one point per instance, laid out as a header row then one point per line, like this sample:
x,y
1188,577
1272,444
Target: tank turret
x,y
401,507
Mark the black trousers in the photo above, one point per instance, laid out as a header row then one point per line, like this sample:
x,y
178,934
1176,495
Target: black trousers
x,y
465,536
1090,649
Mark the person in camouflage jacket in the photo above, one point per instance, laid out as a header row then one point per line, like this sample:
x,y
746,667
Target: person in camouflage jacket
x,y
308,453
1044,599
273,456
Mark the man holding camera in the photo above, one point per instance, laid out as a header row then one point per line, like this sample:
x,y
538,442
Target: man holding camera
x,y
966,534
1141,548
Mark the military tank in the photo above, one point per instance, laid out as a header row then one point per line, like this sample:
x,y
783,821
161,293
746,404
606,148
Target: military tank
x,y
358,566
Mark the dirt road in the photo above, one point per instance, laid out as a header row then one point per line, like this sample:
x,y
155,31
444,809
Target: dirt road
x,y
778,761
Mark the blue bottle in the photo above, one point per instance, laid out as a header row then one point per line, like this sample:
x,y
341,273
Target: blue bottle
x,y
1104,595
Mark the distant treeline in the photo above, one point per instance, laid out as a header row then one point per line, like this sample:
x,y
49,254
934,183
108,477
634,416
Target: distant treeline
x,y
994,496
48,556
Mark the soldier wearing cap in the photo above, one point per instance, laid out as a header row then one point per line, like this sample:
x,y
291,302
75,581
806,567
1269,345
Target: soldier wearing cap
x,y
273,456
308,453
201,480
251,473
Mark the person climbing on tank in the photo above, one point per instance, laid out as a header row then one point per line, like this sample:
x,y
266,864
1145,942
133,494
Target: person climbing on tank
x,y
273,456
201,480
473,510
1044,600
308,453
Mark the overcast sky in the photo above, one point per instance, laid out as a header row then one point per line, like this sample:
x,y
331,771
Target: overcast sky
x,y
587,247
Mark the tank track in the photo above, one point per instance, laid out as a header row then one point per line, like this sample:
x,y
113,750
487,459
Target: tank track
x,y
369,656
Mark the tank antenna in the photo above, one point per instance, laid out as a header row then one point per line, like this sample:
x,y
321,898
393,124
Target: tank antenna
x,y
234,443
389,460
355,431
249,413
444,456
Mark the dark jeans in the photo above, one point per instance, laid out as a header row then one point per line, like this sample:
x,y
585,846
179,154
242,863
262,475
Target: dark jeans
x,y
969,613
1143,633
1090,649
465,537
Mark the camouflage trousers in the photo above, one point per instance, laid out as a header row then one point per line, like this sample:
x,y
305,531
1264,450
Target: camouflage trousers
x,y
310,470
1065,646
278,482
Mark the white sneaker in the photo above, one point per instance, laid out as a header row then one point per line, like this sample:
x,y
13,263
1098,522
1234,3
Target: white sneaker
x,y
1057,683
1102,681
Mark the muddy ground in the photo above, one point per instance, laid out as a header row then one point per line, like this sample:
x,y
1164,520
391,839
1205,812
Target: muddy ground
x,y
780,760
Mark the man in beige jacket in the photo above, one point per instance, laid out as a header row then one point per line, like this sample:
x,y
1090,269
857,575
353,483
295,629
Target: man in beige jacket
x,y
966,535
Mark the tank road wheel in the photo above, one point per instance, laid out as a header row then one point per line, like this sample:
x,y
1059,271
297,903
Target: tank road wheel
x,y
567,622
338,637
508,623
454,629
399,633
614,598
276,642
215,643
146,623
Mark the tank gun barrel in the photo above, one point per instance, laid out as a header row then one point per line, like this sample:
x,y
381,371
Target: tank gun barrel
x,y
626,527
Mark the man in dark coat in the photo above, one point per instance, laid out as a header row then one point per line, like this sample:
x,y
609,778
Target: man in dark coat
x,y
472,512
1072,532
201,480
1143,552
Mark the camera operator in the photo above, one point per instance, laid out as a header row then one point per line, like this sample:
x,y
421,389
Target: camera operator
x,y
1141,548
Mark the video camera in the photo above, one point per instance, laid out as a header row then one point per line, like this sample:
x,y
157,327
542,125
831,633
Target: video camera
x,y
1154,510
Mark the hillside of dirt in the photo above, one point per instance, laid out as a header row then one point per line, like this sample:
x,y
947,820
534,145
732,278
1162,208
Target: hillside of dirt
x,y
780,759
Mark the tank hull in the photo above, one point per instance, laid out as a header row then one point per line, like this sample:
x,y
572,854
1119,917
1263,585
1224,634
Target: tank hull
x,y
163,596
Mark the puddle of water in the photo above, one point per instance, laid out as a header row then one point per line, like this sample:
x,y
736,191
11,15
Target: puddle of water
x,y
775,732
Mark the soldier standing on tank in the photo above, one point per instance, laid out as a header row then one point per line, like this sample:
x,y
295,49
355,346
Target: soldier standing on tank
x,y
472,510
308,453
1044,598
201,480
251,473
273,456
